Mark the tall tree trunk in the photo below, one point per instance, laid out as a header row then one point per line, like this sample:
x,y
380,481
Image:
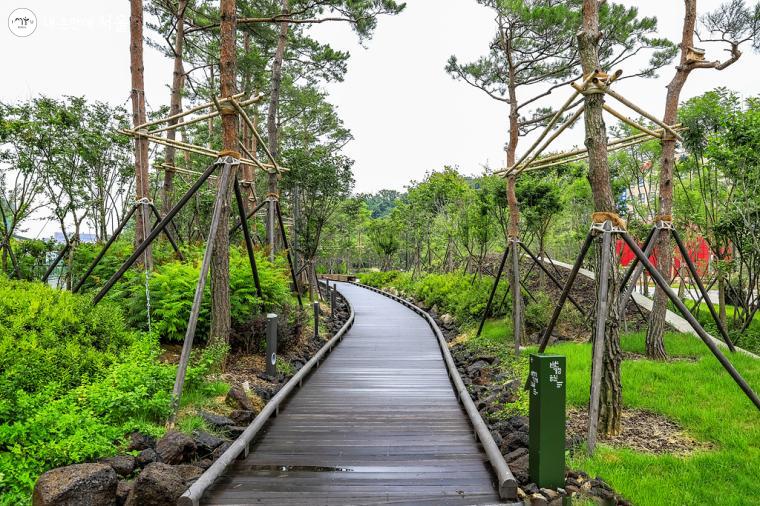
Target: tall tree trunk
x,y
513,229
175,107
599,177
654,342
220,261
142,180
249,187
272,126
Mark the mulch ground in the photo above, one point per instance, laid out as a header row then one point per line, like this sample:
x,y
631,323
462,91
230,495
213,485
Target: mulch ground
x,y
643,431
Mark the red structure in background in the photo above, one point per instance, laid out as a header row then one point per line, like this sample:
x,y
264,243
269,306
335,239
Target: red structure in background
x,y
697,247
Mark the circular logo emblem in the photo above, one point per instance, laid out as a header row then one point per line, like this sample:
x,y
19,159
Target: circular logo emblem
x,y
22,22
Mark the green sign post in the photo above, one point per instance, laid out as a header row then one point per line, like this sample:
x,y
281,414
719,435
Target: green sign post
x,y
546,387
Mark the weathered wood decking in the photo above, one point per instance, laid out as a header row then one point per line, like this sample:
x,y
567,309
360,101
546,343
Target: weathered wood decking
x,y
377,423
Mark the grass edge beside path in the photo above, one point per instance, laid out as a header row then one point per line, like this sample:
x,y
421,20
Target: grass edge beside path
x,y
703,399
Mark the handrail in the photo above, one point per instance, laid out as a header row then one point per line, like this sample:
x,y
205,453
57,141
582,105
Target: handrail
x,y
507,484
193,495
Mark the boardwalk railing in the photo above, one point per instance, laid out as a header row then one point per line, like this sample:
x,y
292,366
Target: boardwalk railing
x,y
241,446
507,483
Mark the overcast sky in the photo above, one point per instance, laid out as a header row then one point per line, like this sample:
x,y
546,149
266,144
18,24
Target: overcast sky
x,y
407,115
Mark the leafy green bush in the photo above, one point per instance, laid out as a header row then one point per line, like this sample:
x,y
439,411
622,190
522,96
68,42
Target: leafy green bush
x,y
52,340
120,250
172,286
538,311
378,279
31,258
462,295
73,382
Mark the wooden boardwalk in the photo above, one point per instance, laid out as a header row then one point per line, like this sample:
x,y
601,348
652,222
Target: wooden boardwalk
x,y
377,423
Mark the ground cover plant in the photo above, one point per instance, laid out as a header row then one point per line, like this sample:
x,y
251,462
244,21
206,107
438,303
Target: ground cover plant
x,y
701,398
463,296
74,381
172,285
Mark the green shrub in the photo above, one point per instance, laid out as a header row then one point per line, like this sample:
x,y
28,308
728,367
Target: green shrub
x,y
31,258
52,340
461,295
172,287
378,279
74,381
538,311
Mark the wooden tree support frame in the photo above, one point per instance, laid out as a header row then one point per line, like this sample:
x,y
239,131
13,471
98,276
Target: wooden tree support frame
x,y
608,230
152,135
150,206
511,250
599,82
634,271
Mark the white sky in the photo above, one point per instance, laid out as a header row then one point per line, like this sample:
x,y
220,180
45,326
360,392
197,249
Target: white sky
x,y
407,115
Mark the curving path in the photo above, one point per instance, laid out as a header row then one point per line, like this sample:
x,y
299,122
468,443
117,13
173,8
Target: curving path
x,y
377,423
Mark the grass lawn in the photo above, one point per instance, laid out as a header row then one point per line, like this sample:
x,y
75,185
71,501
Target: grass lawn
x,y
699,395
704,400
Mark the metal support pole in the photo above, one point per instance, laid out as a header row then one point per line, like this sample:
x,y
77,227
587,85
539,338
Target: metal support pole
x,y
187,345
695,275
271,356
699,299
271,211
632,274
597,358
248,217
287,252
333,301
493,290
154,233
565,292
517,313
551,262
55,263
315,304
556,281
169,236
105,248
247,238
660,280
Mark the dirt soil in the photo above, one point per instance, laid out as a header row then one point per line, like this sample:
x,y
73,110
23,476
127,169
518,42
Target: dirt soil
x,y
643,431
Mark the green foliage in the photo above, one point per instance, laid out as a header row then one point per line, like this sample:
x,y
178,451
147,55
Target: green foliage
x,y
379,279
463,296
52,340
172,286
31,256
73,382
539,311
383,237
381,203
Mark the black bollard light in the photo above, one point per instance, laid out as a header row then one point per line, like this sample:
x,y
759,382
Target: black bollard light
x,y
271,345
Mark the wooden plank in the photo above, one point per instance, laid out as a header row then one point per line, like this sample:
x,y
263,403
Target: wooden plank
x,y
377,423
